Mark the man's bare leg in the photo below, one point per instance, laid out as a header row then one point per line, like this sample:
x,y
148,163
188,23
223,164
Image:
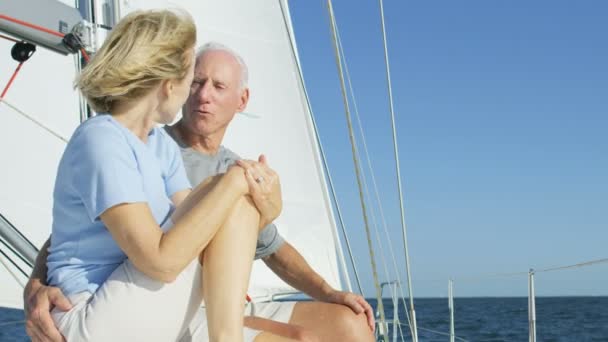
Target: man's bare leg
x,y
331,322
314,321
269,337
273,331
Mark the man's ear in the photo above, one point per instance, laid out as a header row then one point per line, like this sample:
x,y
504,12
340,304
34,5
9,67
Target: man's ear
x,y
244,100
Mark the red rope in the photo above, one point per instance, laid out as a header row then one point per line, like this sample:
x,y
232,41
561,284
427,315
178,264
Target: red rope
x,y
36,27
84,54
8,85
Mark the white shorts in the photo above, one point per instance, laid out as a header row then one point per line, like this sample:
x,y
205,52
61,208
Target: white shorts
x,y
149,311
130,306
276,311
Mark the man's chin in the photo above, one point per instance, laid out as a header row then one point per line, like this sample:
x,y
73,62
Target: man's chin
x,y
201,130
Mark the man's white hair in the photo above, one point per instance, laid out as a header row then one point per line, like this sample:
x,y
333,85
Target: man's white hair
x,y
215,46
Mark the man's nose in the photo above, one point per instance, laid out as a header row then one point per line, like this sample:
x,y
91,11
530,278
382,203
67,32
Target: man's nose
x,y
204,92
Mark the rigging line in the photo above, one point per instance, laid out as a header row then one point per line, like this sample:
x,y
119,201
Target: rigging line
x,y
85,55
325,164
512,274
356,163
396,301
441,333
398,171
6,244
381,251
365,184
375,226
390,244
10,81
490,275
339,212
18,232
9,38
11,271
372,214
41,125
367,192
377,235
582,264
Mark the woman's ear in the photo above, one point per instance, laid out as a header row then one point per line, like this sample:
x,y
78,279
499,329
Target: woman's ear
x,y
166,88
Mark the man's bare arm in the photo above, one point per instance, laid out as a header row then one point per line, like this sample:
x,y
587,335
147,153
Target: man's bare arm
x,y
39,300
291,266
40,270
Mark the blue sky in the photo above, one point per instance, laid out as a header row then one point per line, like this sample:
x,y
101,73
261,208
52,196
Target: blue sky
x,y
501,111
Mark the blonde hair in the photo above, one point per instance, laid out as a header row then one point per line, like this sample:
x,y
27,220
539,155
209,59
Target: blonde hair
x,y
143,49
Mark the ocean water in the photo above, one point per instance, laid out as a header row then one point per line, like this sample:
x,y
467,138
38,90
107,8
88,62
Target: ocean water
x,y
559,319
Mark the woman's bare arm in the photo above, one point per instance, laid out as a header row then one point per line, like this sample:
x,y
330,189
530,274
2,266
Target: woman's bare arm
x,y
162,256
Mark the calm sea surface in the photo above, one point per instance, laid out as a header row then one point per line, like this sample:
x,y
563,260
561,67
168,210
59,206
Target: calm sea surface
x,y
567,319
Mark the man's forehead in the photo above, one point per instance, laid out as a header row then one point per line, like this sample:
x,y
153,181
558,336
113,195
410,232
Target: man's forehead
x,y
217,58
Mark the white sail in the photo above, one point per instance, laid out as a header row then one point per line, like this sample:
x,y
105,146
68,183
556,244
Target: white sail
x,y
278,125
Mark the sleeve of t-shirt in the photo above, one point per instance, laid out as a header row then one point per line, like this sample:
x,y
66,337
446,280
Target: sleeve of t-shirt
x,y
175,177
228,159
269,241
105,170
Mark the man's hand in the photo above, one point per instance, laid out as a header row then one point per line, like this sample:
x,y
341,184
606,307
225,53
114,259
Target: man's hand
x,y
354,301
264,188
39,300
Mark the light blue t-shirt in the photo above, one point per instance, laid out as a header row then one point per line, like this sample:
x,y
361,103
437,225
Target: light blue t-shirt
x,y
105,164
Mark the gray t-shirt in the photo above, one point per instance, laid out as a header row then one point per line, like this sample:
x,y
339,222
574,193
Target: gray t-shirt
x,y
200,166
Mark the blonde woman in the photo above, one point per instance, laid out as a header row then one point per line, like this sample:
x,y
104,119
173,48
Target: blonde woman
x,y
133,267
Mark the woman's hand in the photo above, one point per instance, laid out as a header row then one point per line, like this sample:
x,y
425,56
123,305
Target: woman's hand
x,y
264,188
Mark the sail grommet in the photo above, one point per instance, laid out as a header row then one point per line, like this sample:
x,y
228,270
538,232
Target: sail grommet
x,y
22,51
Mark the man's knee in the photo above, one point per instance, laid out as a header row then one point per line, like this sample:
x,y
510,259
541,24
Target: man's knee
x,y
304,335
352,327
